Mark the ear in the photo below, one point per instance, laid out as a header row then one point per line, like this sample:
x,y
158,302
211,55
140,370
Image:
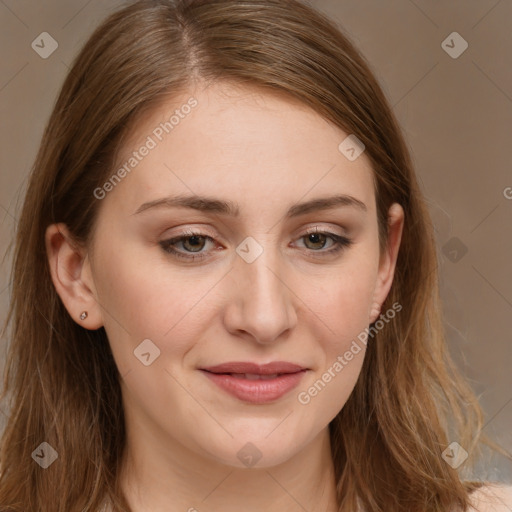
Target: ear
x,y
71,276
388,259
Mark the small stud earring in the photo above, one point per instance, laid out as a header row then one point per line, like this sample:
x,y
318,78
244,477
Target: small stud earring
x,y
83,316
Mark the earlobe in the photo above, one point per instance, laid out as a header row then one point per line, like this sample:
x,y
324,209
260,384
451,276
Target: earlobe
x,y
67,263
388,259
375,312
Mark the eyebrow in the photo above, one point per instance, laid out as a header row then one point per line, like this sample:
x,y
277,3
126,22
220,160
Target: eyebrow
x,y
230,208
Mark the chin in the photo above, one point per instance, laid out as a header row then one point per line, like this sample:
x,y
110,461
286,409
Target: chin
x,y
256,454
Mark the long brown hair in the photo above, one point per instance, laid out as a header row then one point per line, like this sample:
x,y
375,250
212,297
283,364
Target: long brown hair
x,y
62,381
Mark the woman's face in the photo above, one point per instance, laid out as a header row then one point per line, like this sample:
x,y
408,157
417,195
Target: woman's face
x,y
260,289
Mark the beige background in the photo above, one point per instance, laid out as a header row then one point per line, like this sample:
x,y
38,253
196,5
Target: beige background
x,y
456,114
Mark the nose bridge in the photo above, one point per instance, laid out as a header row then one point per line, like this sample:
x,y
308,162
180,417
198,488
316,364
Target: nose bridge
x,y
265,307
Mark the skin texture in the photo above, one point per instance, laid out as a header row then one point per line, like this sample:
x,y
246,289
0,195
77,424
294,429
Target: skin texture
x,y
266,152
492,498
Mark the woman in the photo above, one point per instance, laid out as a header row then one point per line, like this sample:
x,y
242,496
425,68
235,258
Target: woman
x,y
224,287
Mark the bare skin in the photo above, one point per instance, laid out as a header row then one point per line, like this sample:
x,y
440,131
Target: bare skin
x,y
295,302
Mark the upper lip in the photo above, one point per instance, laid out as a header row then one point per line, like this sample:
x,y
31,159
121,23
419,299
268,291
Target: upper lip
x,y
256,369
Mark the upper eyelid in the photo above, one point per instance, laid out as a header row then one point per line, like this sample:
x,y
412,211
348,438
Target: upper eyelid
x,y
204,232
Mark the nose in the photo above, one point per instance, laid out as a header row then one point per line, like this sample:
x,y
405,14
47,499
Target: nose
x,y
261,302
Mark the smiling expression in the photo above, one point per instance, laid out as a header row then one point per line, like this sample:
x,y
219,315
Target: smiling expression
x,y
243,235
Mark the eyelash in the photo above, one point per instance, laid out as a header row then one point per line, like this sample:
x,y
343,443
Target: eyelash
x,y
340,243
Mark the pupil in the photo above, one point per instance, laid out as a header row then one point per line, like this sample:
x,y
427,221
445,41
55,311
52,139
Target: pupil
x,y
195,239
313,237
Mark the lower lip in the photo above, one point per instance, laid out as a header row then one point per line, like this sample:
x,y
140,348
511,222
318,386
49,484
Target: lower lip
x,y
256,391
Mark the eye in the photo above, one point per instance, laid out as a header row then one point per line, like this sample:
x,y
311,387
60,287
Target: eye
x,y
317,240
191,240
193,243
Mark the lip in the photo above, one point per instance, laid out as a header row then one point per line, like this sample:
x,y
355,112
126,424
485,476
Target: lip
x,y
258,369
259,391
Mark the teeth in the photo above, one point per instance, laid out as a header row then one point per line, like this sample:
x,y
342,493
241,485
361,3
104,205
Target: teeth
x,y
254,376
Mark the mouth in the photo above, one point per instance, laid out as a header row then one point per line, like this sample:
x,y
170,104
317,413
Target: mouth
x,y
248,368
251,376
253,383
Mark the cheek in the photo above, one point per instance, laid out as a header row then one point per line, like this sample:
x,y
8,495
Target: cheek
x,y
343,305
347,296
340,353
143,298
348,318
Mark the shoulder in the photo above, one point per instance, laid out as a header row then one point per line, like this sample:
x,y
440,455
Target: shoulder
x,y
492,498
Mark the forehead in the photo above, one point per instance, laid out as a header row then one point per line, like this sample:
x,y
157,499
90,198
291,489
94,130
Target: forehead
x,y
225,140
